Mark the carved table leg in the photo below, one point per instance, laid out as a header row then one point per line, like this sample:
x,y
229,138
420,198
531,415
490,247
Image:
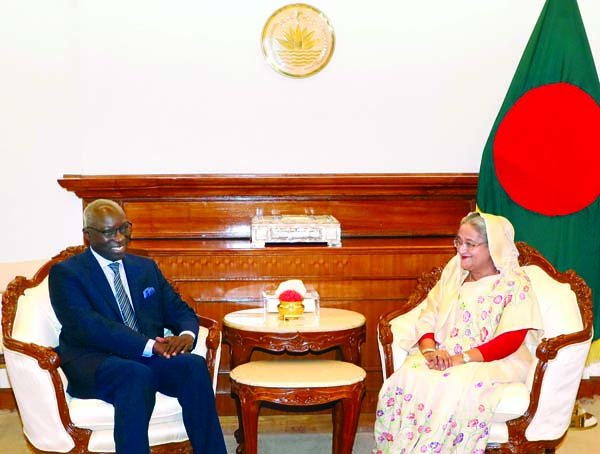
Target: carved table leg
x,y
239,432
249,408
337,415
345,414
351,410
239,354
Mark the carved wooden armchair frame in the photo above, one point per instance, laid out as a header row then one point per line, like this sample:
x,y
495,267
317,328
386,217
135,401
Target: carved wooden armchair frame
x,y
48,359
546,351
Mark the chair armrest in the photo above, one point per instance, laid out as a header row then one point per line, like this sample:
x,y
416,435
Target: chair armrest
x,y
45,358
561,360
393,326
35,379
209,346
208,343
556,379
402,321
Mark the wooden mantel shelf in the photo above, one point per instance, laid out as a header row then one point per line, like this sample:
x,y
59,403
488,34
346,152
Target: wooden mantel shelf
x,y
222,206
203,185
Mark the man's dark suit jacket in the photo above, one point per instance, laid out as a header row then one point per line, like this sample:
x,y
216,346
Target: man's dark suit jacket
x,y
92,326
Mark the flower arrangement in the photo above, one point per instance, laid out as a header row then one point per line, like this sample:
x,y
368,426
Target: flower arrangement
x,y
290,302
290,296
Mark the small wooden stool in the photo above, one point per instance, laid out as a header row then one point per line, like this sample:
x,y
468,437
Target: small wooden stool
x,y
299,382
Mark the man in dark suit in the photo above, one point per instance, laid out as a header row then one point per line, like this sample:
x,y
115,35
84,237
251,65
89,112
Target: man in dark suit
x,y
113,308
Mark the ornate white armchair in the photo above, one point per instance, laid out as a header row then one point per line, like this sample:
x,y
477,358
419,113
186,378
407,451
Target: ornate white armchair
x,y
534,415
52,420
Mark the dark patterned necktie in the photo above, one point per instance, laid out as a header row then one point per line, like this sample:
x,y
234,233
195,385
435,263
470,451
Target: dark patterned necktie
x,y
123,300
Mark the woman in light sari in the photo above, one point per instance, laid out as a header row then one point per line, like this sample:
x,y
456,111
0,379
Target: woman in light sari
x,y
471,337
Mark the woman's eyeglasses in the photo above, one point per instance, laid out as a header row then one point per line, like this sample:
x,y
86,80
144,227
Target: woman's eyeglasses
x,y
458,243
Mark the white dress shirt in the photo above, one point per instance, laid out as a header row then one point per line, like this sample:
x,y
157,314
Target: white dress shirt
x,y
110,276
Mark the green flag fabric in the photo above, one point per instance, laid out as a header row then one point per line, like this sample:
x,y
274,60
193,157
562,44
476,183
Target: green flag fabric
x,y
541,164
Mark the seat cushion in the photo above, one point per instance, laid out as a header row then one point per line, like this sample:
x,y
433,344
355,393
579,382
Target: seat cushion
x,y
98,415
298,373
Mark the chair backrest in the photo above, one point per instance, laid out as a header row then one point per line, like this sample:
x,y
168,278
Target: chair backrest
x,y
557,303
35,320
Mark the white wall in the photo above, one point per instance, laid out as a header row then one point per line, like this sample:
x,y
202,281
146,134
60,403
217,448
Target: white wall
x,y
163,86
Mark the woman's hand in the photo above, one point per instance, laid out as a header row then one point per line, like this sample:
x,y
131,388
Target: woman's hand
x,y
439,360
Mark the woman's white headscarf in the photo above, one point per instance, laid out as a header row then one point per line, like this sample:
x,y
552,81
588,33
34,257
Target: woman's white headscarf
x,y
501,243
511,279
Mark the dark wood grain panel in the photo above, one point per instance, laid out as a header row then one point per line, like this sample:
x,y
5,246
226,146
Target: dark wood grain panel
x,y
321,263
359,217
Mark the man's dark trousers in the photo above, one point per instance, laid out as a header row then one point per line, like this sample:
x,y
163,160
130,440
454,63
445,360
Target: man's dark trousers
x,y
131,387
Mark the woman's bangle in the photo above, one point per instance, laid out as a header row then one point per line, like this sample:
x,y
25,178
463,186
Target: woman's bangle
x,y
427,350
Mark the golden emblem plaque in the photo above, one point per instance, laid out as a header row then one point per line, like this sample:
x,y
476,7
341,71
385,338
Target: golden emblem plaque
x,y
298,40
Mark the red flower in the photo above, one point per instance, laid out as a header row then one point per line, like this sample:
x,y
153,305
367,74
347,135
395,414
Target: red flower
x,y
290,295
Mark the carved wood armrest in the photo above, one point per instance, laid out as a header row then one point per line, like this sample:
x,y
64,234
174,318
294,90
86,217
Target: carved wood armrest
x,y
46,357
546,351
213,342
425,283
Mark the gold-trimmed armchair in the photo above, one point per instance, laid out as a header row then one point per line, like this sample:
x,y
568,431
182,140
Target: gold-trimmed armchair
x,y
533,416
52,420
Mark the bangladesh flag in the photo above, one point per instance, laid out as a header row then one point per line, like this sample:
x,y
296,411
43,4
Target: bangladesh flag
x,y
541,164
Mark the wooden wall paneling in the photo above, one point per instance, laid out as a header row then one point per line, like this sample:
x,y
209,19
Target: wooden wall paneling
x,y
197,228
230,219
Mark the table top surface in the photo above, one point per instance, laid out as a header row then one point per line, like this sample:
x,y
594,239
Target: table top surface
x,y
329,319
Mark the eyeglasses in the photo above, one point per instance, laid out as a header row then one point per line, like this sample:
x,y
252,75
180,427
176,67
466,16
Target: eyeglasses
x,y
458,243
124,229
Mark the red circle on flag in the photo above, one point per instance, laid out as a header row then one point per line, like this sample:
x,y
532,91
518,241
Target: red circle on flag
x,y
547,150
